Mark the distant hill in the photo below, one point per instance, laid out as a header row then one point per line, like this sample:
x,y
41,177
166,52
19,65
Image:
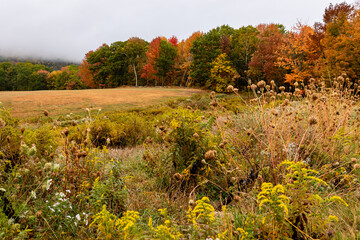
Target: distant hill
x,y
55,64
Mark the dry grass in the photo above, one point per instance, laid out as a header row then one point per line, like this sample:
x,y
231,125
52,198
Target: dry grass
x,y
30,103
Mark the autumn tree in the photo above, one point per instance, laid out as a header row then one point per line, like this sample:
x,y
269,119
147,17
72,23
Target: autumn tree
x,y
262,64
205,50
342,40
185,55
85,74
149,71
221,74
299,54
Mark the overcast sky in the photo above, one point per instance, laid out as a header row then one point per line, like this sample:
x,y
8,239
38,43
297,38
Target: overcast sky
x,y
68,29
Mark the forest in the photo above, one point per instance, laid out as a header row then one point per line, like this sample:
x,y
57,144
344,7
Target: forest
x,y
210,60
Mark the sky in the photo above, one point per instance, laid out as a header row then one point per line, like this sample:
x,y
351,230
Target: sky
x,y
68,29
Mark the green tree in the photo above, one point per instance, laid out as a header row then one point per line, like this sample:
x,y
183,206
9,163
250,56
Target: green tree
x,y
205,50
166,60
135,50
244,44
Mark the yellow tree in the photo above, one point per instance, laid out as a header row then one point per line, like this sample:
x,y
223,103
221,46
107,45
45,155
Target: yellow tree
x,y
342,41
298,54
221,74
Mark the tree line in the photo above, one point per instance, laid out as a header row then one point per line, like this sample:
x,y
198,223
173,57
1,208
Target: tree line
x,y
211,60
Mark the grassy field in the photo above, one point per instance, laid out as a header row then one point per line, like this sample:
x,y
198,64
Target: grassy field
x,y
30,103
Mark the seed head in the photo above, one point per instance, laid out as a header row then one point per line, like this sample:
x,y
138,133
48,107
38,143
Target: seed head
x,y
178,176
196,136
282,88
212,95
66,131
46,113
314,97
2,123
230,88
356,166
22,130
261,84
253,87
210,154
312,120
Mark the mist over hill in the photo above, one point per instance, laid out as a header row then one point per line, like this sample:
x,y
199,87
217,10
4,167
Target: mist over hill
x,y
55,64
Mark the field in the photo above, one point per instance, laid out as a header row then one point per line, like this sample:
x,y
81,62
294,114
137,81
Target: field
x,y
30,103
181,164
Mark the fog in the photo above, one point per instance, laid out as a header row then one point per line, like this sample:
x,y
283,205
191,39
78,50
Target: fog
x,y
68,29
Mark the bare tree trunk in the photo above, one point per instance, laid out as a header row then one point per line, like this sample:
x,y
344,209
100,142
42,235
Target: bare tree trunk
x,y
136,79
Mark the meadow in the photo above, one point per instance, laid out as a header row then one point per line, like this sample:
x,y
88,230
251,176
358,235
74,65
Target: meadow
x,y
29,103
262,163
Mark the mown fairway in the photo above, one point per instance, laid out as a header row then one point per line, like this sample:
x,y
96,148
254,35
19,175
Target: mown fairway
x,y
29,103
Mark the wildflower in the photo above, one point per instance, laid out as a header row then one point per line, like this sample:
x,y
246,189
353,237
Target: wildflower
x,y
78,217
47,185
33,194
108,141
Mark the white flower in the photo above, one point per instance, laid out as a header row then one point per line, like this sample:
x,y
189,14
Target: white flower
x,y
33,194
11,221
48,184
62,194
68,191
78,217
51,209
